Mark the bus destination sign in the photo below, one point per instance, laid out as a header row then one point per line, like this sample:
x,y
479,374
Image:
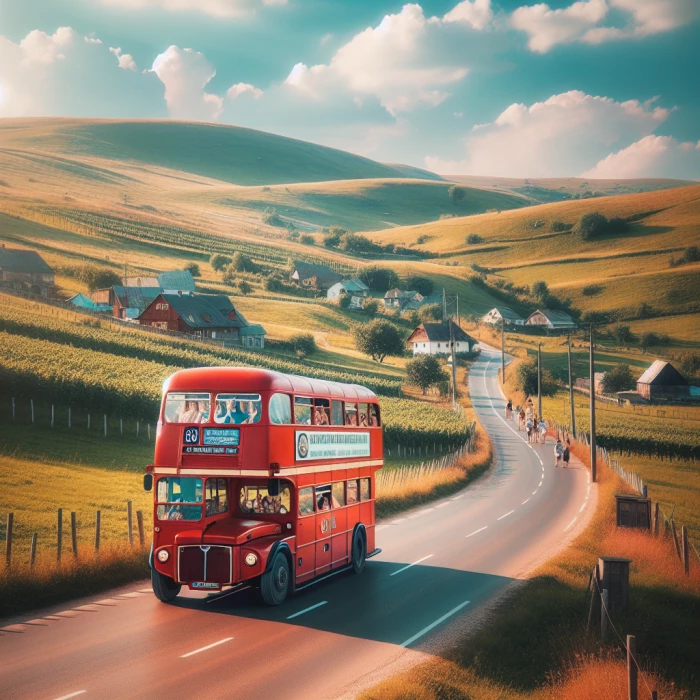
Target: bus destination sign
x,y
230,437
208,450
331,445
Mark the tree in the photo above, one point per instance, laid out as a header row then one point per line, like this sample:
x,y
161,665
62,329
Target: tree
x,y
421,284
370,307
245,288
304,344
649,340
540,290
193,269
425,371
526,380
559,226
331,240
219,261
270,217
591,226
619,378
430,313
456,193
379,339
379,278
474,238
624,335
344,301
644,310
243,263
307,239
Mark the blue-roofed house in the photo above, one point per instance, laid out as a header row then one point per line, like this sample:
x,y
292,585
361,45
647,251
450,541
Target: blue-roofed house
x,y
176,282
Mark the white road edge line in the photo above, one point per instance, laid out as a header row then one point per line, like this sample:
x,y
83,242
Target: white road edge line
x,y
209,646
571,523
431,626
481,529
506,515
305,610
72,695
408,566
582,507
535,491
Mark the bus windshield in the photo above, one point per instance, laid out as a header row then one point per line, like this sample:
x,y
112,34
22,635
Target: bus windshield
x,y
254,498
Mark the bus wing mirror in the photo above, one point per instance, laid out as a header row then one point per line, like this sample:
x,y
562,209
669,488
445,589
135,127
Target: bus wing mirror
x,y
274,486
147,482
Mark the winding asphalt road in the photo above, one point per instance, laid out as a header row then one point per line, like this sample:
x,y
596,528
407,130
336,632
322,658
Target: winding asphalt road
x,y
440,564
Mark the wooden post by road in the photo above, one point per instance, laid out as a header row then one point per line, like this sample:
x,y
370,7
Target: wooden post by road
x,y
98,523
130,522
32,552
656,518
631,667
539,381
139,522
684,549
592,404
571,391
8,540
675,539
604,614
503,351
74,534
595,583
59,543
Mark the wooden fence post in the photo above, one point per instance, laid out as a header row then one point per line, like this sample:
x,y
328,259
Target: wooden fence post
x,y
69,418
148,425
32,552
593,587
74,534
121,427
8,539
130,522
59,544
138,421
105,424
98,522
31,403
53,416
631,667
675,539
684,550
13,408
656,518
88,421
604,614
139,521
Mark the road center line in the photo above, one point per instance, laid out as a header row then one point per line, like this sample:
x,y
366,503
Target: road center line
x,y
431,626
526,500
72,695
540,484
506,515
481,529
309,609
209,646
570,524
408,566
582,507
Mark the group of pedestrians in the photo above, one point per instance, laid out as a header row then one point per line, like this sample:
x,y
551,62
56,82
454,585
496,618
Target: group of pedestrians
x,y
536,429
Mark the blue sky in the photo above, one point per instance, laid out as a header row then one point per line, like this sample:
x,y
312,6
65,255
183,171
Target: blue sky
x,y
599,88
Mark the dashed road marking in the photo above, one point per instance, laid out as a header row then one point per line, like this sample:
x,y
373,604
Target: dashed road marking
x,y
309,609
525,501
408,566
506,515
72,695
433,625
481,529
571,523
209,646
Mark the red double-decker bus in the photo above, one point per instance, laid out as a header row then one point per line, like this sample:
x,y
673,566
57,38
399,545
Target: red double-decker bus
x,y
261,477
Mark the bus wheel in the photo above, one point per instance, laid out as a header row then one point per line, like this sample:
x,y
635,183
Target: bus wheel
x,y
164,587
274,583
359,550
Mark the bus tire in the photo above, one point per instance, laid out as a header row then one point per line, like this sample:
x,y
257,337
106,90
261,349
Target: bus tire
x,y
359,549
274,583
164,587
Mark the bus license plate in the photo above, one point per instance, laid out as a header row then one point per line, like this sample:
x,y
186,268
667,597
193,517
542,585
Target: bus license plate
x,y
205,584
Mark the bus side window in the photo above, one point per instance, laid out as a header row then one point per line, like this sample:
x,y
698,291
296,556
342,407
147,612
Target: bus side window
x,y
337,410
302,410
351,414
362,415
338,494
306,501
364,490
216,497
323,497
374,415
322,412
280,409
352,491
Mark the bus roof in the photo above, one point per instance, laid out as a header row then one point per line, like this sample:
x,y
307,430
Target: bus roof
x,y
249,379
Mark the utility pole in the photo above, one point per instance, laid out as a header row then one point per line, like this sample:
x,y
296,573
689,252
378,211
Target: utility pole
x,y
592,403
571,392
503,352
459,323
454,365
539,380
444,306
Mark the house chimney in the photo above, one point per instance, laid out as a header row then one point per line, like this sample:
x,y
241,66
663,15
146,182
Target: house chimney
x,y
179,292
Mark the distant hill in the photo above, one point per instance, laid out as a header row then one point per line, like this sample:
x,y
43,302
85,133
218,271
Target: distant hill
x,y
412,171
227,153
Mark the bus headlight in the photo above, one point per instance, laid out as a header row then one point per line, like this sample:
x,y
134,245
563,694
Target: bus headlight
x,y
251,559
163,555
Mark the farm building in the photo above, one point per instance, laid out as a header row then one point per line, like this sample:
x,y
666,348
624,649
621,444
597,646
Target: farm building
x,y
176,282
662,381
434,339
25,270
311,275
140,281
503,313
405,300
585,383
84,302
202,315
354,288
547,318
126,302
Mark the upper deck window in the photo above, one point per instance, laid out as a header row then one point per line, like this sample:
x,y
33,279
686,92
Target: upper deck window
x,y
236,409
351,414
187,408
374,415
280,409
337,411
322,412
302,410
362,415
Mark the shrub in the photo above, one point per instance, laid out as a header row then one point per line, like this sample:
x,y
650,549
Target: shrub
x,y
304,344
370,307
423,239
243,263
618,378
306,239
421,284
540,290
590,290
649,340
591,226
624,335
526,380
474,239
378,339
193,269
430,313
344,301
425,371
293,235
270,217
559,226
94,276
456,193
219,261
379,278
245,288
331,240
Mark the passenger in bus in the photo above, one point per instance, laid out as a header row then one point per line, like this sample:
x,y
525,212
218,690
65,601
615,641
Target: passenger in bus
x,y
324,502
229,412
251,412
203,407
373,421
189,413
174,513
321,416
363,420
350,418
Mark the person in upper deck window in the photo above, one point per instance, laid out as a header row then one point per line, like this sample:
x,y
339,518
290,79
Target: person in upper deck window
x,y
252,412
190,413
203,407
350,418
373,420
363,420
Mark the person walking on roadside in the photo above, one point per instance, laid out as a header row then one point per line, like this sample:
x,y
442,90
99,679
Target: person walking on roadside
x,y
521,419
542,430
509,409
567,453
529,425
558,453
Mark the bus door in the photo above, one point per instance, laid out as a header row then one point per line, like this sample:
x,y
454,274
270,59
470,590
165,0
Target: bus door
x,y
306,535
339,525
324,516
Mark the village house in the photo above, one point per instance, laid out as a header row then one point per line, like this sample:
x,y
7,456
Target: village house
x,y
584,383
354,288
25,270
314,276
84,302
204,316
434,339
662,381
503,314
126,302
176,282
547,318
407,300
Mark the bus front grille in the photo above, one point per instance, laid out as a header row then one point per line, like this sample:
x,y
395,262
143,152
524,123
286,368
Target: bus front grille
x,y
205,563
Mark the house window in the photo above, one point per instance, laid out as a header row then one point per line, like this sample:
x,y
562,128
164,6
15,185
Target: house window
x,y
161,307
258,341
438,344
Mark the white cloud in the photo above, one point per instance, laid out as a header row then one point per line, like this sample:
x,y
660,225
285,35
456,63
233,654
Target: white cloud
x,y
403,62
477,13
241,89
565,134
215,8
40,47
126,60
92,39
185,73
651,156
547,27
